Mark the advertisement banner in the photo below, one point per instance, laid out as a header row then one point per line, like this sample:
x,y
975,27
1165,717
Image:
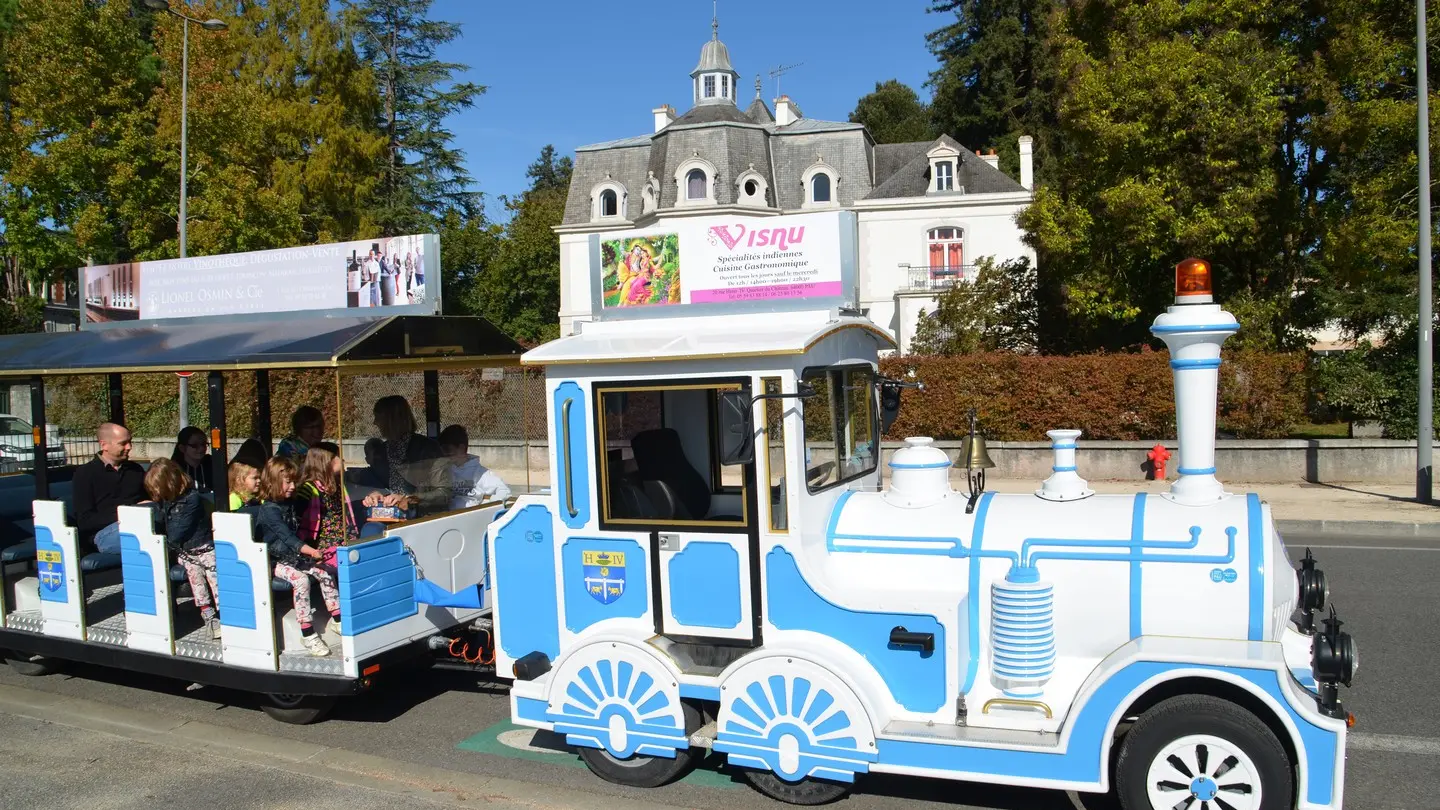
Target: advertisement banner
x,y
717,263
387,276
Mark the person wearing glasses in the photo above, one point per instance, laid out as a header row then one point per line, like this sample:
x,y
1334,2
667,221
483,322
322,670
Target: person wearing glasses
x,y
192,453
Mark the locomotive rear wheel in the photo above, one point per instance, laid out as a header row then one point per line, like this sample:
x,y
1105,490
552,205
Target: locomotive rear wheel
x,y
1204,750
297,710
806,791
647,771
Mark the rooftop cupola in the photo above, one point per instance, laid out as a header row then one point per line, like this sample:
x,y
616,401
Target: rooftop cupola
x,y
715,80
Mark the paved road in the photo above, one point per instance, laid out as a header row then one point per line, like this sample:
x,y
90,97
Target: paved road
x,y
1384,588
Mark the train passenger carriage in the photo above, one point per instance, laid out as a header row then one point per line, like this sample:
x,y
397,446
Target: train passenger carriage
x,y
400,588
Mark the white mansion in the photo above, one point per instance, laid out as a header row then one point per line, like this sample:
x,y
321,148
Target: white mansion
x,y
925,211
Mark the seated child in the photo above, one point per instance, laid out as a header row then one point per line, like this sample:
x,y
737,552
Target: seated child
x,y
277,526
244,485
327,520
472,483
186,524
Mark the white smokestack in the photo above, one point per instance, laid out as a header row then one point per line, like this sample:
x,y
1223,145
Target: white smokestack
x,y
1194,329
1064,483
664,116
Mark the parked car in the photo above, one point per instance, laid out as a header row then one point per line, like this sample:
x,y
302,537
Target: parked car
x,y
17,448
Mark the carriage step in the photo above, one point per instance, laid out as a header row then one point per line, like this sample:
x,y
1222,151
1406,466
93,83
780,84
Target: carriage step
x,y
705,737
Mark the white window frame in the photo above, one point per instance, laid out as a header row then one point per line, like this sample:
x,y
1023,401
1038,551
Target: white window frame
x,y
962,239
650,196
807,186
941,154
707,86
761,197
682,172
621,200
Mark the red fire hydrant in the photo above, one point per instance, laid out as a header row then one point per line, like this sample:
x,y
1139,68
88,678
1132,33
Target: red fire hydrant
x,y
1158,455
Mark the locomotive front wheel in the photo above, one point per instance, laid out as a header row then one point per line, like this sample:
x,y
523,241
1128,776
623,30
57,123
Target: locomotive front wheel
x,y
1206,752
646,771
29,665
806,791
297,710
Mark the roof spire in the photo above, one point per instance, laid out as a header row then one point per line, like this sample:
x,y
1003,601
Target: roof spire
x,y
757,87
715,19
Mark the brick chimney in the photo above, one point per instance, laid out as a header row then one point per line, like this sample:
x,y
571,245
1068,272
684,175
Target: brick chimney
x,y
664,116
786,111
1027,164
992,158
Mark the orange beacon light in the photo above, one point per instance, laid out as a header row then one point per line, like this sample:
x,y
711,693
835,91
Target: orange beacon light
x,y
1192,282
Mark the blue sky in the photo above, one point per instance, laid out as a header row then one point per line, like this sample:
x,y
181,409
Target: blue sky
x,y
571,73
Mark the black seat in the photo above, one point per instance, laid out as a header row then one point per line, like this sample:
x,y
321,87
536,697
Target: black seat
x,y
99,561
23,551
669,479
277,585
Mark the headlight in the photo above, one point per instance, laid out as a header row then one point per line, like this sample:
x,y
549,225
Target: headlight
x,y
1334,656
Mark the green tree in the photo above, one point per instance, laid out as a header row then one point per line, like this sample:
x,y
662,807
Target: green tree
x,y
997,311
894,114
994,80
1168,119
519,289
422,175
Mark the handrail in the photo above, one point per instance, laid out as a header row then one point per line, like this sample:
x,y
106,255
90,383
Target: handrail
x,y
569,475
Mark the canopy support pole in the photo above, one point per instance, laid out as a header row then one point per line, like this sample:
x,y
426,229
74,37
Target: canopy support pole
x,y
117,399
40,458
432,404
262,408
219,447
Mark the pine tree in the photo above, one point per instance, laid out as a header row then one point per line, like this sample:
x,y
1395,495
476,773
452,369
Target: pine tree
x,y
893,114
422,175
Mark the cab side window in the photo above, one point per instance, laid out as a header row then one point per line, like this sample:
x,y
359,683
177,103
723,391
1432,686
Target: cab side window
x,y
841,426
659,463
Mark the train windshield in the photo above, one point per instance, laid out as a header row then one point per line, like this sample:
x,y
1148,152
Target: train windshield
x,y
841,426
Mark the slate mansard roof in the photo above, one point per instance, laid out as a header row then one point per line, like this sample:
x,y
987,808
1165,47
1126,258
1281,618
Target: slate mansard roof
x,y
735,142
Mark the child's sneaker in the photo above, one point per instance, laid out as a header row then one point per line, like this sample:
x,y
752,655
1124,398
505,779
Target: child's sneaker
x,y
316,646
333,626
213,625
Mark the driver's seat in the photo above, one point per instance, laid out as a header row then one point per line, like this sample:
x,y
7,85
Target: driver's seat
x,y
674,486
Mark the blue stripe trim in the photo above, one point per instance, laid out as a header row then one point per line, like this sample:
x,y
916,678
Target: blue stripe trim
x,y
937,465
1062,469
1197,362
835,514
530,709
1257,568
1062,447
1197,470
700,691
1137,544
1177,329
972,597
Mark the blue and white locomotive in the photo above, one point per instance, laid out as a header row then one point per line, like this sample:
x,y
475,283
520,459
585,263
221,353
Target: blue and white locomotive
x,y
718,568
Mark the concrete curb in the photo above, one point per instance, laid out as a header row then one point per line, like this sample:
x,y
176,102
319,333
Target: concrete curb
x,y
419,783
1359,528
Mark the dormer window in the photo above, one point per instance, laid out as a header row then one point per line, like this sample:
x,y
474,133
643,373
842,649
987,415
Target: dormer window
x,y
944,176
609,203
607,200
820,188
695,185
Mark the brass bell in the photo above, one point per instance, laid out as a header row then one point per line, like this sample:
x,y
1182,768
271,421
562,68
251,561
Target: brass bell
x,y
975,459
973,454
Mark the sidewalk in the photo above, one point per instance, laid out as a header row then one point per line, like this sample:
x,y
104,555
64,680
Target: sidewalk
x,y
1302,508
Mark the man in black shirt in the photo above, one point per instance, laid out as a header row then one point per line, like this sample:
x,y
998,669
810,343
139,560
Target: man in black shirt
x,y
102,485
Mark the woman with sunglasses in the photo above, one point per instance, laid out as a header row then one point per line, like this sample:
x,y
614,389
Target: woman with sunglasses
x,y
192,453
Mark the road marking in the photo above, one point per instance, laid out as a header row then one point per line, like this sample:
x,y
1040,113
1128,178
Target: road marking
x,y
1364,548
1394,743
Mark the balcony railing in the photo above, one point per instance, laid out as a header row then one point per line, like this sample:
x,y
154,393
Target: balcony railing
x,y
928,277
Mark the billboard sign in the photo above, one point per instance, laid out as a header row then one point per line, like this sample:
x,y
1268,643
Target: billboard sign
x,y
725,264
397,275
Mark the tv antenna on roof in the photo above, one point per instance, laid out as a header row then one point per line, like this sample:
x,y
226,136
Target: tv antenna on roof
x,y
779,71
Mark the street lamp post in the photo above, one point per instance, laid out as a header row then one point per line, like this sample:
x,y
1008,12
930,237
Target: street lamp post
x,y
208,25
1426,427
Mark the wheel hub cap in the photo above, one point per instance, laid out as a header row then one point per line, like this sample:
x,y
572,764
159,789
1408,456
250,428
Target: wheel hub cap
x,y
1204,788
1203,772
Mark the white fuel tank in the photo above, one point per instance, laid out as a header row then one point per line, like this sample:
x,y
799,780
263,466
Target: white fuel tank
x,y
1069,578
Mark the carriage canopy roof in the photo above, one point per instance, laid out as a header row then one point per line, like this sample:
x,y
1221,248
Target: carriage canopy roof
x,y
235,344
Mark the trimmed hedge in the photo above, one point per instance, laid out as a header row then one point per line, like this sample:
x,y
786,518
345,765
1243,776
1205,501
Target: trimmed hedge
x,y
1108,396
